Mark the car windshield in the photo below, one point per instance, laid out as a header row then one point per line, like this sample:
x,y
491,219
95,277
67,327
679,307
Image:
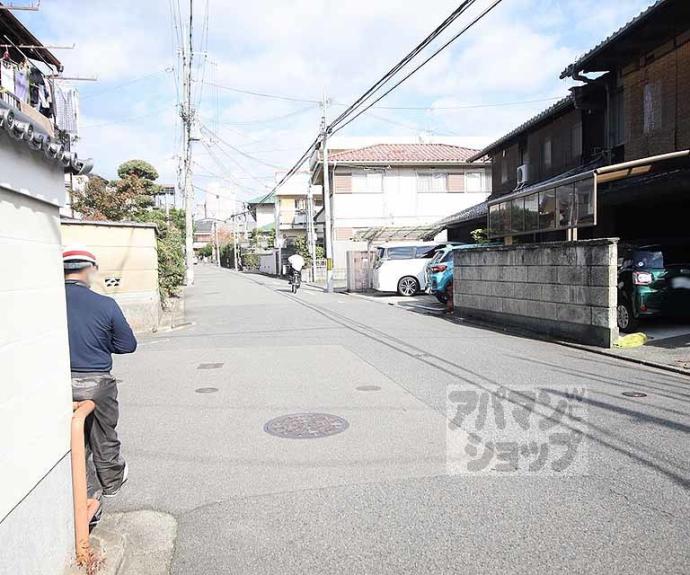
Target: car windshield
x,y
647,259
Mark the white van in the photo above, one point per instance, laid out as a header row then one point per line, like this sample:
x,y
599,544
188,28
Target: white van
x,y
400,267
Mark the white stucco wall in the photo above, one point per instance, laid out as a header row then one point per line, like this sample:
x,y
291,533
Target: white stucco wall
x,y
400,204
35,389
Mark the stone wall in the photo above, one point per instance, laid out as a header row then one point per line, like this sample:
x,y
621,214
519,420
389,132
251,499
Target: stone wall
x,y
560,289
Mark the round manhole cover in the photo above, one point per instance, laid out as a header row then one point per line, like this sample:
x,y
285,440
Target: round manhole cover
x,y
368,388
306,425
634,394
206,389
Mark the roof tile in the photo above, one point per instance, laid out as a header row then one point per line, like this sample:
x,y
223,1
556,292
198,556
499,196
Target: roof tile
x,y
405,153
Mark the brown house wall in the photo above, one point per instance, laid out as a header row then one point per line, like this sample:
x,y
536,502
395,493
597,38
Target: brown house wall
x,y
563,158
669,78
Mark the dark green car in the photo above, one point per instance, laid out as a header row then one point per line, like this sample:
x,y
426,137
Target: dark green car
x,y
652,281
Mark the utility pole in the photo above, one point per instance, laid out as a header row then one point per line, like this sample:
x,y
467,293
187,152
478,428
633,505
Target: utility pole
x,y
311,233
187,114
328,233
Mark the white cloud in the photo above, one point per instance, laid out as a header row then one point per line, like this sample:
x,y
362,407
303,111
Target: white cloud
x,y
299,48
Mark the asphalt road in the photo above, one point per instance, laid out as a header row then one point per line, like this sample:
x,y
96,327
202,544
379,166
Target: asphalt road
x,y
406,488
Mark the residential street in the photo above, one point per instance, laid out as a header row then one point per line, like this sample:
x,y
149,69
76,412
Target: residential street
x,y
385,495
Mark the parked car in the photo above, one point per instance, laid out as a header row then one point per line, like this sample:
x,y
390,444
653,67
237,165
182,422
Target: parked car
x,y
652,281
439,270
401,267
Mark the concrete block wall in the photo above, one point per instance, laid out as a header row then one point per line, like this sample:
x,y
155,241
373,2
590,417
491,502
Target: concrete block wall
x,y
127,253
561,289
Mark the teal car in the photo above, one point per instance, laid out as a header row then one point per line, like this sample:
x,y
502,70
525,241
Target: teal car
x,y
439,271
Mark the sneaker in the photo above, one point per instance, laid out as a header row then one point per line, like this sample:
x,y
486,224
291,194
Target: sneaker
x,y
114,492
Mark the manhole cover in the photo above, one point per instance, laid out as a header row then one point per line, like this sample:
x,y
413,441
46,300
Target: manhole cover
x,y
210,366
306,425
368,388
206,389
634,394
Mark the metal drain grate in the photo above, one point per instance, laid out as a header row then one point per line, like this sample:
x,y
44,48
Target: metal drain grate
x,y
634,394
368,388
306,425
210,365
206,389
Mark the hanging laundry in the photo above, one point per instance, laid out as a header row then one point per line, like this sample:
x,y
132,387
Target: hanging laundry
x,y
21,85
7,76
67,109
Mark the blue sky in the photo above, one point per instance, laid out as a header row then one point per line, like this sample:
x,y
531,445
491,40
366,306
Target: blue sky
x,y
299,49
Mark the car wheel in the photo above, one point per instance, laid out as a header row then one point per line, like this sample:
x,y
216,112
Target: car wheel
x,y
626,320
442,297
408,286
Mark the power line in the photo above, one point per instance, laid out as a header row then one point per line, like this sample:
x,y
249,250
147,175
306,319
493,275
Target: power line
x,y
415,70
405,60
269,120
262,94
122,85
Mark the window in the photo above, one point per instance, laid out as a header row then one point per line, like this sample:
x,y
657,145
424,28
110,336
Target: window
x,y
425,251
517,215
301,205
531,221
504,170
547,209
367,182
401,253
473,182
456,183
651,105
432,182
567,206
565,213
342,183
576,141
546,153
584,202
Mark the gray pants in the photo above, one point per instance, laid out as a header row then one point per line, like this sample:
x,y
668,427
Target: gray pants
x,y
104,464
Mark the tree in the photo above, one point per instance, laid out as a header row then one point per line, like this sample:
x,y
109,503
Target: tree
x,y
170,247
121,199
138,168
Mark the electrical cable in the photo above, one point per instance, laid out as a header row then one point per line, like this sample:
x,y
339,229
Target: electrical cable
x,y
405,60
332,129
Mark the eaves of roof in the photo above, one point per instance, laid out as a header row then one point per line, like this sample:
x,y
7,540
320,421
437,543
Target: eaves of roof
x,y
557,108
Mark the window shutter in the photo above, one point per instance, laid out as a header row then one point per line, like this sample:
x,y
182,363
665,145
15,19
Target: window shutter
x,y
342,183
456,183
343,233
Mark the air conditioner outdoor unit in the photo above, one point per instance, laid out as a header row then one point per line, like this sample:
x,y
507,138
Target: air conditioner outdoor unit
x,y
522,174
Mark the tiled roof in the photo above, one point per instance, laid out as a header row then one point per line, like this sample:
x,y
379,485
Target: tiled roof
x,y
476,212
405,154
551,111
270,199
581,62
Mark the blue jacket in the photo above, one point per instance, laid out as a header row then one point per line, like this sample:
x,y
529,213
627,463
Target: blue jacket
x,y
97,328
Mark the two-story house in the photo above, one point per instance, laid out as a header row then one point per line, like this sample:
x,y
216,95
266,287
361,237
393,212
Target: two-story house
x,y
610,159
397,185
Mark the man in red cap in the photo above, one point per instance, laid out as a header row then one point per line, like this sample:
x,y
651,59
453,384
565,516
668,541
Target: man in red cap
x,y
97,329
